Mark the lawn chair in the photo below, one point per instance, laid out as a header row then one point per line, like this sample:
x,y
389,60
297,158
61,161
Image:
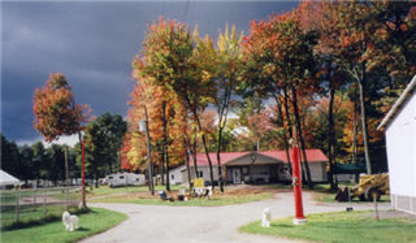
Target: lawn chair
x,y
208,192
165,197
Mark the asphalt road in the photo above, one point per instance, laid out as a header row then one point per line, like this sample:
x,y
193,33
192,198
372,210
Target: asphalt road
x,y
205,224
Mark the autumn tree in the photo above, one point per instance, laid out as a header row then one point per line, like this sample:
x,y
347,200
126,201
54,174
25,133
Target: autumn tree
x,y
172,57
279,59
227,73
364,38
56,113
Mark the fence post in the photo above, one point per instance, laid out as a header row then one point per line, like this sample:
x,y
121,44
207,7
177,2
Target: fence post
x,y
17,204
44,203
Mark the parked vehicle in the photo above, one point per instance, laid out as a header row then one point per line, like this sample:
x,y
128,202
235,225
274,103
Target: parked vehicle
x,y
370,187
125,179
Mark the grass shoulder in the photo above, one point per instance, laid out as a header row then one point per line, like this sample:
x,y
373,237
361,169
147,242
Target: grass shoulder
x,y
216,200
95,221
231,196
343,227
323,193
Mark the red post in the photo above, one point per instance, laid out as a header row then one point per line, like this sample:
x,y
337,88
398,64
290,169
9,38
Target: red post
x,y
297,187
83,173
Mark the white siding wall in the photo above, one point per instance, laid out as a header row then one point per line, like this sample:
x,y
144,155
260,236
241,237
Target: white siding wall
x,y
176,176
318,172
182,177
401,150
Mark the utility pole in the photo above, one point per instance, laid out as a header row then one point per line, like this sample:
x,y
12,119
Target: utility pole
x,y
66,175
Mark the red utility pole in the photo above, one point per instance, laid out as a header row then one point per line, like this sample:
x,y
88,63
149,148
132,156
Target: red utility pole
x,y
297,187
84,204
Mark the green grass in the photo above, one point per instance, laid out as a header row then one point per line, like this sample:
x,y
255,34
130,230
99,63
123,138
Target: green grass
x,y
28,214
342,227
328,197
212,202
105,190
97,220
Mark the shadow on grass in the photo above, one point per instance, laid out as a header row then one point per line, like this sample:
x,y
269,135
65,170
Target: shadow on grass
x,y
37,222
83,229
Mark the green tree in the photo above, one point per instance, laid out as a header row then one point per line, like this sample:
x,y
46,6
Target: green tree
x,y
56,163
26,166
40,161
10,157
103,139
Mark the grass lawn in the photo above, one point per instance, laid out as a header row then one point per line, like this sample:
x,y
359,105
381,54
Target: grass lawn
x,y
29,214
216,200
106,190
322,193
140,195
96,221
358,226
328,197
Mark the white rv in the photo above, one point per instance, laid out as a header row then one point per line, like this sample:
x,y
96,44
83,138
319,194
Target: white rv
x,y
125,179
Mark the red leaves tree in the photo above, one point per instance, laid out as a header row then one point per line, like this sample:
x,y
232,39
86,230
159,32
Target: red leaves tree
x,y
279,59
56,113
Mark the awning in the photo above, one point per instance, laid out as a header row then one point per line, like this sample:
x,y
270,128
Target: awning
x,y
348,168
7,179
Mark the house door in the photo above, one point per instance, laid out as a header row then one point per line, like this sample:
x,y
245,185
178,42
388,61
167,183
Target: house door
x,y
236,176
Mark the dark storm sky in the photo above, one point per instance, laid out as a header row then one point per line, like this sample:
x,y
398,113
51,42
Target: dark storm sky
x,y
93,44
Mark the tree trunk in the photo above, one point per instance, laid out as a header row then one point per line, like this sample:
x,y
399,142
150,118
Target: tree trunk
x,y
165,145
364,127
282,124
286,105
355,129
149,155
194,156
300,134
220,178
204,143
161,167
188,168
331,136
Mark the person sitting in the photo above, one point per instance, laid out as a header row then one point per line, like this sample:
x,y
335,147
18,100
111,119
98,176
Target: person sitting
x,y
164,196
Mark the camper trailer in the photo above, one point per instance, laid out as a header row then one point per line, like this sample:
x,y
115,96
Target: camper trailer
x,y
125,179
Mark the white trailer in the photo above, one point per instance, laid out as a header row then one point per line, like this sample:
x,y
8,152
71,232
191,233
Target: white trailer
x,y
125,179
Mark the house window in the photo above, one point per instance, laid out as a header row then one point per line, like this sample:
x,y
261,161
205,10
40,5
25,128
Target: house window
x,y
200,173
172,177
245,170
110,177
121,177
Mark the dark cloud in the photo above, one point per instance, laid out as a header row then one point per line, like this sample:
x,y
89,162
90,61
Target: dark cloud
x,y
93,44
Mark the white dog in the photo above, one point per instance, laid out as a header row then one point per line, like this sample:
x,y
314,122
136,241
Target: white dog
x,y
70,221
265,218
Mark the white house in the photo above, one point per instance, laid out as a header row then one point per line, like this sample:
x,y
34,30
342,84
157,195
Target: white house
x,y
251,167
400,130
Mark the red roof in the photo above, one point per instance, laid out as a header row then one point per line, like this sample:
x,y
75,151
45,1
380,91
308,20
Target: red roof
x,y
313,155
225,157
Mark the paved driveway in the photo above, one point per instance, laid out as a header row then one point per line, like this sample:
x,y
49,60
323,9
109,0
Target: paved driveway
x,y
204,224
